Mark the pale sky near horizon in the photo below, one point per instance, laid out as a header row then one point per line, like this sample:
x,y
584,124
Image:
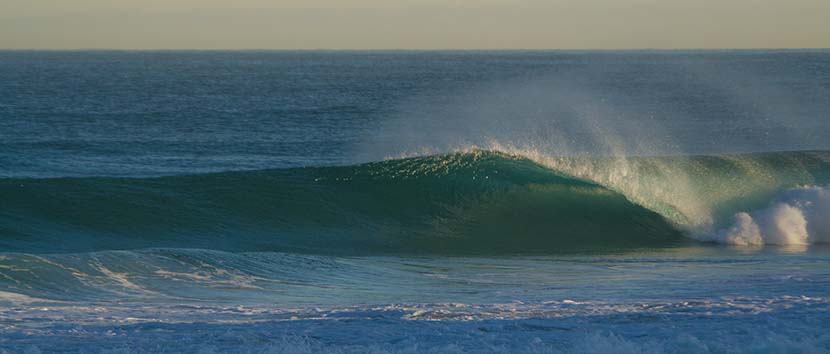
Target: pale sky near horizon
x,y
424,24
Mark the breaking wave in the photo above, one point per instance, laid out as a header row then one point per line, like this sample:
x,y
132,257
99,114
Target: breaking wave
x,y
492,201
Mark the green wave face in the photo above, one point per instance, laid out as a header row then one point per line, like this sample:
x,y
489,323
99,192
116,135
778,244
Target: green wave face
x,y
463,203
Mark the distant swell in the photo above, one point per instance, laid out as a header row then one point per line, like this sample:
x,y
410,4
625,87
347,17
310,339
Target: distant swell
x,y
462,203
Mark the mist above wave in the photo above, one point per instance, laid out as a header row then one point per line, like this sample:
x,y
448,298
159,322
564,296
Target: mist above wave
x,y
608,124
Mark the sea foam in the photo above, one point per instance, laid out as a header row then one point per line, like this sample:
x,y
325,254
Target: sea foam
x,y
798,216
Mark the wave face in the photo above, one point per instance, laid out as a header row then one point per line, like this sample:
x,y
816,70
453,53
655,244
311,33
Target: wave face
x,y
462,203
476,202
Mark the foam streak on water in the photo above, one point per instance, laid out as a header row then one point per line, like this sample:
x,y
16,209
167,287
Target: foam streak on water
x,y
694,300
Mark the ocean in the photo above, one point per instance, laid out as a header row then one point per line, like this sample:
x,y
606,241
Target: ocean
x,y
415,201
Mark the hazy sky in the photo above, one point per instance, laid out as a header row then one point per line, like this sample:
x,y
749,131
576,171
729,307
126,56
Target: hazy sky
x,y
414,24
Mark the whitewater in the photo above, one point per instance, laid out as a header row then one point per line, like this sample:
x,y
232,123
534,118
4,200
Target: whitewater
x,y
414,202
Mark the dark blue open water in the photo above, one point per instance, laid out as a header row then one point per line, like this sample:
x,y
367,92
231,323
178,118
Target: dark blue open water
x,y
408,202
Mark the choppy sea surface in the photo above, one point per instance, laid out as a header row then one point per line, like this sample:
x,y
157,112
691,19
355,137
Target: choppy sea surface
x,y
415,202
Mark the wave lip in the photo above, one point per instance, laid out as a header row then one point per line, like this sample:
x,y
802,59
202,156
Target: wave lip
x,y
718,198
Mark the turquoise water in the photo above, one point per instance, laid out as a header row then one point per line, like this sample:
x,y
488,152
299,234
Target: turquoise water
x,y
407,202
